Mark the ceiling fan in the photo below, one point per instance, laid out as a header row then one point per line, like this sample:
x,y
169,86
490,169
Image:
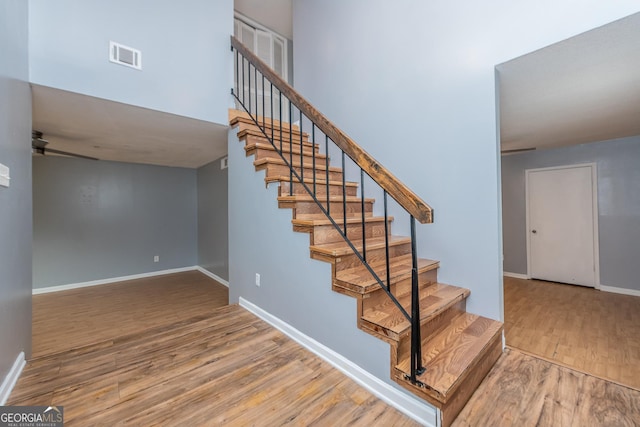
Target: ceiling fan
x,y
39,145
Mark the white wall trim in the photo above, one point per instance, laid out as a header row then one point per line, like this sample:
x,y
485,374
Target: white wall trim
x,y
623,291
413,408
213,276
46,290
516,275
12,378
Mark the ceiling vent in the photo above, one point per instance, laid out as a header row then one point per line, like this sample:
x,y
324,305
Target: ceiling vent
x,y
125,55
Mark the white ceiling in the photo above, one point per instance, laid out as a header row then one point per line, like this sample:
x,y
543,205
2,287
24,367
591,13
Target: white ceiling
x,y
110,130
583,89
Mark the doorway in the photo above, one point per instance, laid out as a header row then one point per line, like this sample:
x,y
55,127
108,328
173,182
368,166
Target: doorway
x,y
562,224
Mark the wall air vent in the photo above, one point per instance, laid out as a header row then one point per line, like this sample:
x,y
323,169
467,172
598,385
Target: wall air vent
x,y
125,55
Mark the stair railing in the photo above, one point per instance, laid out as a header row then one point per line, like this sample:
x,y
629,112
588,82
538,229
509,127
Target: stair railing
x,y
255,82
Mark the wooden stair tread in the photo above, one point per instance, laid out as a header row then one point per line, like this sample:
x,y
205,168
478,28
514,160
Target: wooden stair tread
x,y
311,222
399,266
253,137
451,354
239,116
309,165
285,178
434,300
252,146
254,131
334,199
337,249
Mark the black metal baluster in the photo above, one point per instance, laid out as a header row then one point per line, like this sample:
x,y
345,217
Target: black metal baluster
x,y
264,116
243,84
344,196
386,241
255,72
237,72
290,151
326,152
416,343
249,76
280,112
364,234
271,111
313,155
301,151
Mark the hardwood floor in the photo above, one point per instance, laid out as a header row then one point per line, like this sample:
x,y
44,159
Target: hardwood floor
x,y
582,328
91,315
188,364
523,391
191,364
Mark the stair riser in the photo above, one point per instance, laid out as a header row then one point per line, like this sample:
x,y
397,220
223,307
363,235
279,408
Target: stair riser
x,y
430,329
321,188
471,380
246,130
311,210
295,161
450,411
276,170
328,233
239,117
425,279
373,256
251,141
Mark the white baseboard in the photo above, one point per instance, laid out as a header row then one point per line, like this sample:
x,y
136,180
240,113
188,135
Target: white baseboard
x,y
516,275
623,291
46,290
418,410
12,378
213,276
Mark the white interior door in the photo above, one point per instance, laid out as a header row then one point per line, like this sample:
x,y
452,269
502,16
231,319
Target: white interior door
x,y
561,221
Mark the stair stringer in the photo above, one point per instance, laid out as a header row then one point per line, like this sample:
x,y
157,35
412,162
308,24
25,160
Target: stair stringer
x,y
294,287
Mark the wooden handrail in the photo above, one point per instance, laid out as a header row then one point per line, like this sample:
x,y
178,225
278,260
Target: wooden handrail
x,y
413,204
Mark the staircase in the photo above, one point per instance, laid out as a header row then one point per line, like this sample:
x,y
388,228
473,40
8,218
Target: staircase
x,y
458,348
438,350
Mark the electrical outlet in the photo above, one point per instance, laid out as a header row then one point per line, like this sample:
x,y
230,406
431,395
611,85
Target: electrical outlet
x,y
156,258
257,279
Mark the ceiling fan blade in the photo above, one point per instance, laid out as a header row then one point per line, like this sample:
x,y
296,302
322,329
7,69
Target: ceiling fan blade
x,y
66,153
517,150
40,145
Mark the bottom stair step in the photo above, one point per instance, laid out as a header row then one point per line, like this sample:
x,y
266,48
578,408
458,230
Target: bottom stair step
x,y
456,360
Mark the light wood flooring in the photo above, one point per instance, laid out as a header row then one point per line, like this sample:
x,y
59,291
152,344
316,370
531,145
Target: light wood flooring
x,y
582,328
183,362
223,366
523,391
75,318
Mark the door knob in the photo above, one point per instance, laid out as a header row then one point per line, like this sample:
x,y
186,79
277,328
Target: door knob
x,y
534,231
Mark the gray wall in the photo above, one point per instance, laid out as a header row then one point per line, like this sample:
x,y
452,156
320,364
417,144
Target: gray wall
x,y
187,67
414,84
98,220
15,201
213,235
618,166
